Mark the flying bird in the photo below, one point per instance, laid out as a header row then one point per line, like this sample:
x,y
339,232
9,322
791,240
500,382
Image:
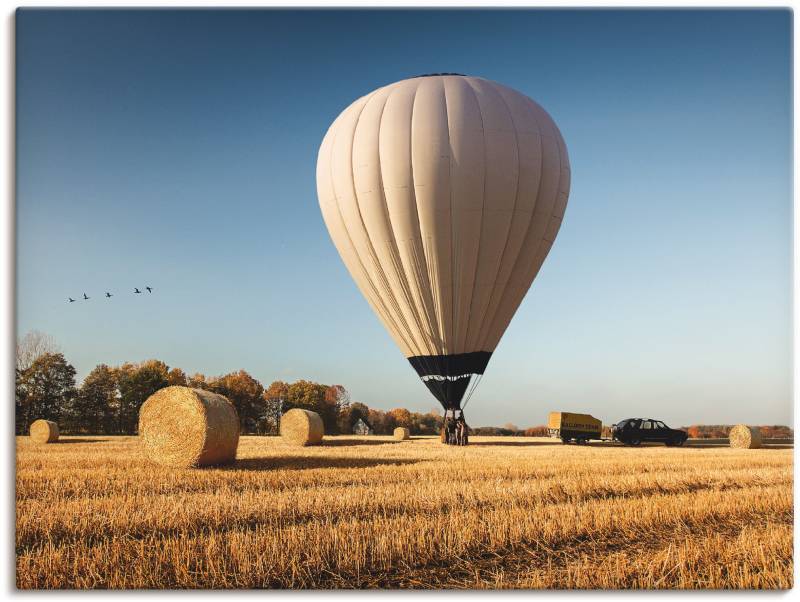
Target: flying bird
x,y
109,295
137,291
149,290
71,300
85,297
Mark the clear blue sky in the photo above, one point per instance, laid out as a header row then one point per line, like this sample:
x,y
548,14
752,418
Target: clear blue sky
x,y
178,149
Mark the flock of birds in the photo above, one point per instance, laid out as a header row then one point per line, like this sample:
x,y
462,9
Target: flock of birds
x,y
136,291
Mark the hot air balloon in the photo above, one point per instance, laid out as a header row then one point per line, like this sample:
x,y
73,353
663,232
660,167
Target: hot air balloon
x,y
443,195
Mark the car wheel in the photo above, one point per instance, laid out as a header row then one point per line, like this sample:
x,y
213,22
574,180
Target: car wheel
x,y
634,441
679,442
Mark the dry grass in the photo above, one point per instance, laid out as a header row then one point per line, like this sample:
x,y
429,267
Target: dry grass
x,y
371,512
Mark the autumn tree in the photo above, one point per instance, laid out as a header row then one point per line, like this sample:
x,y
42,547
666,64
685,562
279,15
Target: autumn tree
x,y
382,422
337,395
402,417
350,414
312,396
344,421
541,431
359,410
275,396
44,389
426,424
336,402
97,402
245,393
306,394
197,381
136,383
177,377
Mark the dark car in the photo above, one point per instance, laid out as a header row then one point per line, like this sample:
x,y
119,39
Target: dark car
x,y
634,431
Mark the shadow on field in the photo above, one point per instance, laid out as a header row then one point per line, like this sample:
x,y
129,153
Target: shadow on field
x,y
349,442
311,462
513,443
78,440
701,446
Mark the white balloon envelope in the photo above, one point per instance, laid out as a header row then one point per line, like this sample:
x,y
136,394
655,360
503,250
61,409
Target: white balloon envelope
x,y
443,195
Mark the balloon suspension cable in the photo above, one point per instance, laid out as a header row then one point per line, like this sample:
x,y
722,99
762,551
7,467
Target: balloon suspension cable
x,y
475,382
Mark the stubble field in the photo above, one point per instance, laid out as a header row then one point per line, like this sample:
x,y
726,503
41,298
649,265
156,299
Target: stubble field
x,y
368,512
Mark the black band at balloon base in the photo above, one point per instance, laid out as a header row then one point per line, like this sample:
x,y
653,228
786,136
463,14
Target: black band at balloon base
x,y
448,376
455,364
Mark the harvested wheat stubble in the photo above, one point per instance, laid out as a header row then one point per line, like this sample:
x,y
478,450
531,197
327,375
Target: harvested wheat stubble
x,y
401,433
44,431
302,427
745,437
185,427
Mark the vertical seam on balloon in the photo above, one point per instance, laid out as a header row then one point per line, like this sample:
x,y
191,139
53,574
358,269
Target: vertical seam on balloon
x,y
555,200
527,232
447,335
377,301
483,208
433,278
374,256
544,240
455,247
400,316
395,252
426,308
482,332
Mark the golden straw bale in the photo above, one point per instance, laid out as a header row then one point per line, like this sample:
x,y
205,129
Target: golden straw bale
x,y
185,427
302,427
745,437
401,433
44,431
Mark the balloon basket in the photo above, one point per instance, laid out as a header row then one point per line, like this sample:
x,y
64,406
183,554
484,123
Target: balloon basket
x,y
454,429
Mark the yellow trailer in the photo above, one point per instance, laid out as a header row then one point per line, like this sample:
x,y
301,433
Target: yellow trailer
x,y
569,426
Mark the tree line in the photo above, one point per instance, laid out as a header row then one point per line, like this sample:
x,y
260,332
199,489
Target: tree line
x,y
107,402
721,431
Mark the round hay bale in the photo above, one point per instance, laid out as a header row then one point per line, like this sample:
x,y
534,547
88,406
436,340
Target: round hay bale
x,y
401,433
302,427
745,437
185,427
44,431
